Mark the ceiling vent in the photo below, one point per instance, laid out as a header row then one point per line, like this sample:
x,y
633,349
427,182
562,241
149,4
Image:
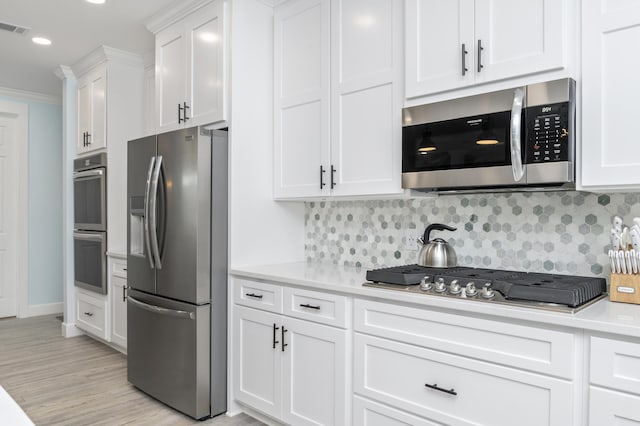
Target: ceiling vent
x,y
4,26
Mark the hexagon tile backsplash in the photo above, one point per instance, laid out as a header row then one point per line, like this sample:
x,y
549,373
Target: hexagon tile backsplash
x,y
561,232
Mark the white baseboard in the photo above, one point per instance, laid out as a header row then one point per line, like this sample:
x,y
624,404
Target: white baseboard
x,y
70,330
42,309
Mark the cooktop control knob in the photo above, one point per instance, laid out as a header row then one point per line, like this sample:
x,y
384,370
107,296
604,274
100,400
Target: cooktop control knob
x,y
487,292
471,289
454,287
440,285
426,283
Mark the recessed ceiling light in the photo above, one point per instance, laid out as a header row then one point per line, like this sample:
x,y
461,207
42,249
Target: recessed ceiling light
x,y
96,1
41,40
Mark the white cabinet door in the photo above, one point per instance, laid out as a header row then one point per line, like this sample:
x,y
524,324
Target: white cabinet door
x,y
518,37
366,96
205,80
607,407
118,311
440,45
610,93
301,99
258,360
92,111
171,76
314,385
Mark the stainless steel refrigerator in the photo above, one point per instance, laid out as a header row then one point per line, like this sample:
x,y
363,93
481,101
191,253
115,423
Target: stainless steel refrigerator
x,y
177,269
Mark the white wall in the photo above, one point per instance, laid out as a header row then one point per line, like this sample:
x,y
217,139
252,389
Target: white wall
x,y
261,230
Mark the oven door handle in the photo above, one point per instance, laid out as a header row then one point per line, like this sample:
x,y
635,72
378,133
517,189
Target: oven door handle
x,y
145,221
88,173
516,135
89,237
153,212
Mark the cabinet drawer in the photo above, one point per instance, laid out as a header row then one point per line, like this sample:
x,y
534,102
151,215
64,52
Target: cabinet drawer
x,y
91,314
455,390
607,407
259,295
615,364
119,268
326,308
530,348
369,413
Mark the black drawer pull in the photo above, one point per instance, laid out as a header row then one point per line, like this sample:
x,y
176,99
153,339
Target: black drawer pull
x,y
435,387
89,314
255,296
306,305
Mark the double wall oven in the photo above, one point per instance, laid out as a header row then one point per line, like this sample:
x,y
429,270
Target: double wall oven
x,y
90,222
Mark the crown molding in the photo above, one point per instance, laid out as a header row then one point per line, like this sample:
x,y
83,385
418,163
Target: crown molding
x,y
30,96
64,72
173,13
105,54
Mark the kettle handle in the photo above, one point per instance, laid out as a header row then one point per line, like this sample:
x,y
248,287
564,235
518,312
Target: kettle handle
x,y
437,227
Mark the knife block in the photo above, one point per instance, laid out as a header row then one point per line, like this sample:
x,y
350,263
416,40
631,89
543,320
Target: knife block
x,y
625,288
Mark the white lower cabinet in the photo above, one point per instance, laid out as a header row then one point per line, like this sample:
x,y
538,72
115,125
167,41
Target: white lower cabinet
x,y
439,368
91,313
290,369
118,302
615,364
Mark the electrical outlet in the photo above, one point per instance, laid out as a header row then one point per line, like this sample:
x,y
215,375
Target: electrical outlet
x,y
411,241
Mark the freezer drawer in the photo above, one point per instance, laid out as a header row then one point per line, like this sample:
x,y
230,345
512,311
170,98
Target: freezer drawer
x,y
168,351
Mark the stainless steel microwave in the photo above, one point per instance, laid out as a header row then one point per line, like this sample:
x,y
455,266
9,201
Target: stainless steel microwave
x,y
517,139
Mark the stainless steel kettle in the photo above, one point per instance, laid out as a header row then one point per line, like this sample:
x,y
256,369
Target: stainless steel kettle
x,y
437,253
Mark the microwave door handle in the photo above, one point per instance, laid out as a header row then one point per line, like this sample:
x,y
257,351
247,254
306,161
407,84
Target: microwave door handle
x,y
516,135
153,207
145,221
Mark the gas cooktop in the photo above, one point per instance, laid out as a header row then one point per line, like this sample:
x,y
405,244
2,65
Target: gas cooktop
x,y
562,293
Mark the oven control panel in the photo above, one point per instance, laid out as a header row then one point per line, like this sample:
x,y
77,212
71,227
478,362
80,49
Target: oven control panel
x,y
548,138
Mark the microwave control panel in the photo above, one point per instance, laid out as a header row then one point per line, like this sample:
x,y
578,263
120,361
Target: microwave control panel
x,y
548,138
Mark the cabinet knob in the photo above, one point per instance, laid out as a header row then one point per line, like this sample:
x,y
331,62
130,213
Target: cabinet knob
x,y
89,314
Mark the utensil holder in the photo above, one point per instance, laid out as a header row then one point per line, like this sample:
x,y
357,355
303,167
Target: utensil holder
x,y
625,288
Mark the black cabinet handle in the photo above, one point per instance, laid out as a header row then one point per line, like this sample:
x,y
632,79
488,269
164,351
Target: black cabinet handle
x,y
306,305
88,138
185,108
284,330
124,293
180,120
89,314
464,59
480,49
322,172
256,296
274,335
435,387
84,138
124,269
333,182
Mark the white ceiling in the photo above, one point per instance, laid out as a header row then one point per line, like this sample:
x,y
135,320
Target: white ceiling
x,y
76,28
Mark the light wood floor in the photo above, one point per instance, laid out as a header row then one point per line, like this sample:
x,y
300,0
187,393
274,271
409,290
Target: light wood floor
x,y
78,381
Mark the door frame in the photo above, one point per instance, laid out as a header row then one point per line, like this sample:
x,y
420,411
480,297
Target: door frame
x,y
20,113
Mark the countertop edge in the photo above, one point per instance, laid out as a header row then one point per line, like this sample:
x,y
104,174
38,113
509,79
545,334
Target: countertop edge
x,y
594,318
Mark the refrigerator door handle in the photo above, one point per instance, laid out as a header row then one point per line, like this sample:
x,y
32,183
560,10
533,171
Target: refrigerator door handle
x,y
147,190
153,212
162,311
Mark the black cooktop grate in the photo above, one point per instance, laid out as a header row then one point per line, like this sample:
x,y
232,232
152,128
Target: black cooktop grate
x,y
566,290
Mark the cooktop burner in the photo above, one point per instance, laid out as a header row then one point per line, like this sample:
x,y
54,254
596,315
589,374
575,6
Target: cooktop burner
x,y
564,293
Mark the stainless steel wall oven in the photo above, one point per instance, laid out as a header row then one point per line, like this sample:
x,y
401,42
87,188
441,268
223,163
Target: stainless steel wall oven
x,y
90,222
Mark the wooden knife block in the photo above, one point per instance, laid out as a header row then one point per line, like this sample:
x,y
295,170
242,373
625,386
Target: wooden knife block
x,y
630,286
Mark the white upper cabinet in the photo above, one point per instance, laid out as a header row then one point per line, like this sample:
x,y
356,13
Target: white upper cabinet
x,y
610,93
190,73
338,98
459,43
92,117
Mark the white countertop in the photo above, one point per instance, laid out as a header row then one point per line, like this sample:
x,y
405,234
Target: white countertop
x,y
10,411
602,316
